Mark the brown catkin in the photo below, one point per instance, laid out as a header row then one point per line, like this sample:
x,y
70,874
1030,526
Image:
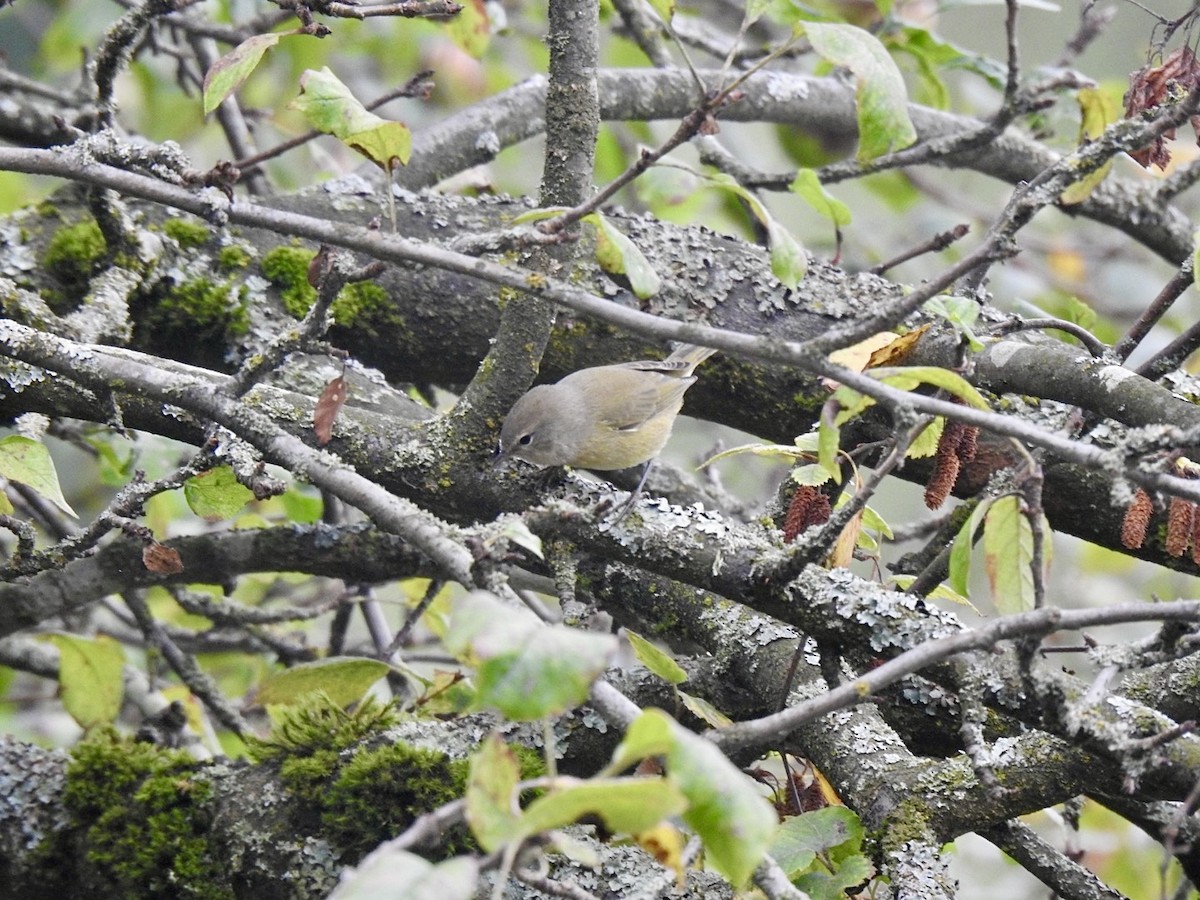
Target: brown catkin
x,y
969,443
809,507
945,471
1137,520
1181,515
818,511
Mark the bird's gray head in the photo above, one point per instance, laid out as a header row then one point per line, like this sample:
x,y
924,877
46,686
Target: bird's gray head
x,y
541,427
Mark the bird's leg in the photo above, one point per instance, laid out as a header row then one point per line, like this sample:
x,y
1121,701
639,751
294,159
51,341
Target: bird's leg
x,y
633,497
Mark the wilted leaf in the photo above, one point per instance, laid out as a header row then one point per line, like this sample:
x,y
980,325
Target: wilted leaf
x,y
1151,86
858,356
665,843
704,711
331,108
842,552
1097,111
228,73
894,352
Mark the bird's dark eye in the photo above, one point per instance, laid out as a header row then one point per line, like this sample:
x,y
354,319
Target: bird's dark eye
x,y
524,439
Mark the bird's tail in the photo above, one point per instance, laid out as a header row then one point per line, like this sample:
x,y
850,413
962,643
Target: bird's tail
x,y
691,355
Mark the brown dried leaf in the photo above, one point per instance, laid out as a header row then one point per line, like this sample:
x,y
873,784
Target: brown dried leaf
x,y
894,353
161,559
331,401
1152,86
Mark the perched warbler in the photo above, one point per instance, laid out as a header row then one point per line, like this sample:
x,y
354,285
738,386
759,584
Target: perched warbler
x,y
604,417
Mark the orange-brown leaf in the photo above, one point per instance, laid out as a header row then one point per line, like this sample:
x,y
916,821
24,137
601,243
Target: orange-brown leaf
x,y
161,559
330,403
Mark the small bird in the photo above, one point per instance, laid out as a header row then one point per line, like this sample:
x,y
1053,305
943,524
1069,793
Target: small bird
x,y
604,417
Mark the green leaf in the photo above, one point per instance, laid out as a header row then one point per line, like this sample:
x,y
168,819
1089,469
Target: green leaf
x,y
802,838
959,567
725,808
941,592
873,520
771,451
331,108
618,255
926,443
657,661
518,532
735,822
91,678
812,475
627,805
538,215
216,494
228,73
345,679
961,312
807,186
491,793
883,123
391,874
664,8
850,404
789,262
28,462
649,735
908,377
704,711
835,885
1008,555
471,29
755,10
1195,252
828,438
302,508
526,669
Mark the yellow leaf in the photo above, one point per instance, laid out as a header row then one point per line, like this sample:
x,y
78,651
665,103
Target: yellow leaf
x,y
894,352
843,548
858,356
